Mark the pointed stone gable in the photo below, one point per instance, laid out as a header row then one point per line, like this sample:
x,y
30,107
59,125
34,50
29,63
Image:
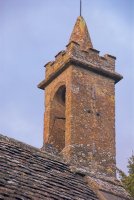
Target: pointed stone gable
x,y
81,35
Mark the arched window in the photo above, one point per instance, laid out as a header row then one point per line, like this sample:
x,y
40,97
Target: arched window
x,y
58,118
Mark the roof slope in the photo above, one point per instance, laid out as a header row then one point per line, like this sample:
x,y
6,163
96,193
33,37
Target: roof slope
x,y
28,173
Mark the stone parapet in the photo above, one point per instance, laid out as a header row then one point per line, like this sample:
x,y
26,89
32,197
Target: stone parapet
x,y
87,57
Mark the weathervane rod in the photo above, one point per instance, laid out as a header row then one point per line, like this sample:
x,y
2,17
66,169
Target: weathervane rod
x,y
80,7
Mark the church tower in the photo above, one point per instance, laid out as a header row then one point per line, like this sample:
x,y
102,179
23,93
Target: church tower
x,y
79,119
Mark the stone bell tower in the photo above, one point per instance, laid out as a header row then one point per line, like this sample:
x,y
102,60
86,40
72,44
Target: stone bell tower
x,y
79,119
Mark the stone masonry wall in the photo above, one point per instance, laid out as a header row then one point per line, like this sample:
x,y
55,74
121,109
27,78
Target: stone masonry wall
x,y
79,121
92,130
84,128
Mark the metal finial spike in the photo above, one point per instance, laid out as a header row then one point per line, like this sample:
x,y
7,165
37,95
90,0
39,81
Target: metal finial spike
x,y
80,8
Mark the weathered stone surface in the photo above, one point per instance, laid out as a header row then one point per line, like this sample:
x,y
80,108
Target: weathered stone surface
x,y
77,160
80,34
107,189
30,173
88,59
27,173
80,104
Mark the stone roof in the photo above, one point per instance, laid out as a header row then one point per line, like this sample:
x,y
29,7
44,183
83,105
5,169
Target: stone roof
x,y
28,173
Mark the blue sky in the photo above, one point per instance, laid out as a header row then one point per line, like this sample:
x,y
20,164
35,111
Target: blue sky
x,y
32,32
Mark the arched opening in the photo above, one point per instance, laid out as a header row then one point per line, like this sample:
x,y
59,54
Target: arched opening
x,y
57,134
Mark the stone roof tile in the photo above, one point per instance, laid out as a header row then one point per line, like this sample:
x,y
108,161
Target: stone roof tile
x,y
28,173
